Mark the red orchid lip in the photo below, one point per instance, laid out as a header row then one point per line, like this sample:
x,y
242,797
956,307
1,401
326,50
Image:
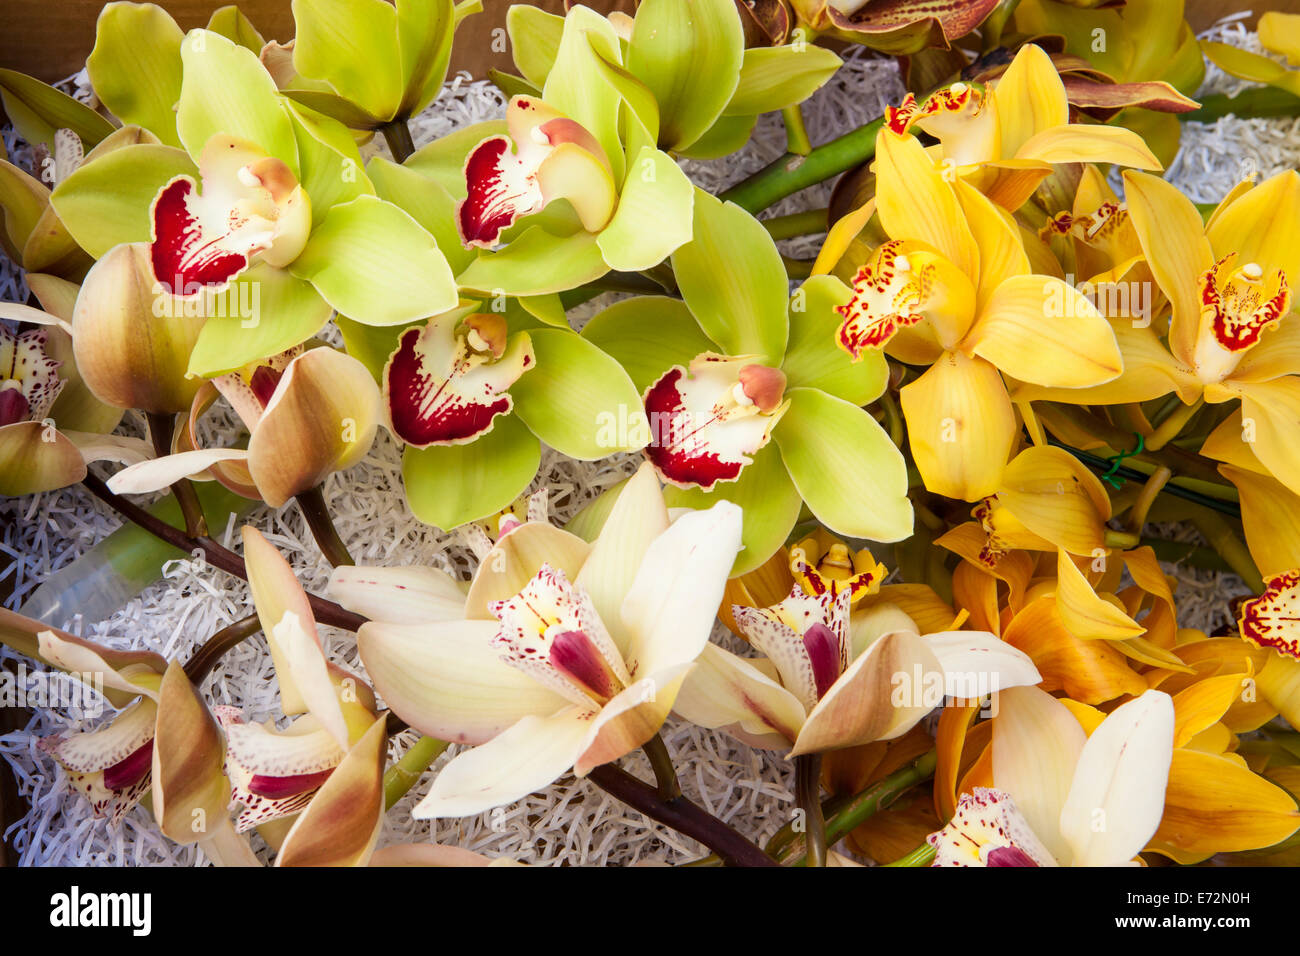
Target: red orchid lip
x,y
131,769
674,452
492,203
14,407
823,648
183,263
278,788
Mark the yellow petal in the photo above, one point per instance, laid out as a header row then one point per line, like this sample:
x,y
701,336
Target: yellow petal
x,y
1201,706
916,203
1262,225
1002,254
1039,329
1085,143
1272,409
1055,496
1279,682
1010,182
1214,805
1030,98
1280,33
961,426
1172,237
840,235
1270,516
1277,353
1084,612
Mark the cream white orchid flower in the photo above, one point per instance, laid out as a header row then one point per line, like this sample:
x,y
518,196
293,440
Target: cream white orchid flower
x,y
828,680
564,656
1062,797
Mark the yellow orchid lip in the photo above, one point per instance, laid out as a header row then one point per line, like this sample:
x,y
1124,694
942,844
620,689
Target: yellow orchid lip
x,y
1270,620
1242,303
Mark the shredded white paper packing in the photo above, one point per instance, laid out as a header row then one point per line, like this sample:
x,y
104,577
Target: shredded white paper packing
x,y
572,822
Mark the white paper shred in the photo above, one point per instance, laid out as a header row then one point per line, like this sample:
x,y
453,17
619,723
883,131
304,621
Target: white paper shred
x,y
571,822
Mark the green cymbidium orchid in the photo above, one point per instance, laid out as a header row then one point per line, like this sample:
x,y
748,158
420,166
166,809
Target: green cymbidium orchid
x,y
277,221
741,361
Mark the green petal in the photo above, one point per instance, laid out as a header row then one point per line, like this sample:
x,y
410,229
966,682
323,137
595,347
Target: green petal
x,y
647,335
371,345
23,200
107,200
586,524
262,313
427,202
733,280
443,160
331,105
135,66
231,23
576,86
644,108
845,467
511,85
689,53
579,400
50,248
37,109
534,41
766,495
772,78
449,485
655,191
225,89
814,358
374,263
536,263
352,45
332,171
34,457
548,308
424,33
726,136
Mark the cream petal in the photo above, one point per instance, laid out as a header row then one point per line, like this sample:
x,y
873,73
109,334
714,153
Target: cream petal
x,y
159,473
728,692
408,595
976,663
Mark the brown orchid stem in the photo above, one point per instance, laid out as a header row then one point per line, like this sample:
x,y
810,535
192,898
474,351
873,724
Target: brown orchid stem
x,y
681,815
662,764
398,137
808,791
796,134
229,637
161,430
222,558
314,510
402,776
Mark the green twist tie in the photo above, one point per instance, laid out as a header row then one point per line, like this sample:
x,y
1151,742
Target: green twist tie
x,y
1110,477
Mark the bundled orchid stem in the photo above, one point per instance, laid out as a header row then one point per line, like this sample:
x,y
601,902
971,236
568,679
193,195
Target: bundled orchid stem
x,y
662,764
397,135
316,513
327,612
229,637
403,775
808,772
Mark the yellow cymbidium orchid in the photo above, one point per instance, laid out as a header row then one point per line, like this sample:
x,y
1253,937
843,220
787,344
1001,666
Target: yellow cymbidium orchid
x,y
1004,138
952,289
1279,34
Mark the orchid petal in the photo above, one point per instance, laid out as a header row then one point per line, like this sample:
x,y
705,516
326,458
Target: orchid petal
x,y
406,595
189,787
516,558
976,663
163,472
730,693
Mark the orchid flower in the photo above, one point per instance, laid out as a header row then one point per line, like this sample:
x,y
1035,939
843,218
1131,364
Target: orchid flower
x,y
564,656
828,681
51,426
1229,285
277,226
162,740
326,768
897,29
692,85
741,363
952,289
1005,138
1061,796
1277,35
308,412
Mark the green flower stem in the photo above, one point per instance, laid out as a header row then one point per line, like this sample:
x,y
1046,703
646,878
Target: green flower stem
x,y
1258,101
398,137
808,790
797,268
401,776
662,764
810,222
793,172
229,637
162,428
1223,539
796,134
220,557
314,510
923,855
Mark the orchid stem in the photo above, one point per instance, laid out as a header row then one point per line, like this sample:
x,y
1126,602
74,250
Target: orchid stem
x,y
1137,518
662,764
808,787
681,815
796,134
161,429
222,558
313,507
792,172
810,222
923,855
1223,539
398,137
402,776
1168,429
1254,102
232,635
797,268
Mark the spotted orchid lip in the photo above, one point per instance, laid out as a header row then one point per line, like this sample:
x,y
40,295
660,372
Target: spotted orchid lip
x,y
24,363
1273,619
988,829
278,788
805,636
951,99
1242,303
131,770
708,419
889,294
439,389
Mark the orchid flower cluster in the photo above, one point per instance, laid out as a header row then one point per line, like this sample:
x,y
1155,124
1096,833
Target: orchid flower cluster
x,y
896,513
